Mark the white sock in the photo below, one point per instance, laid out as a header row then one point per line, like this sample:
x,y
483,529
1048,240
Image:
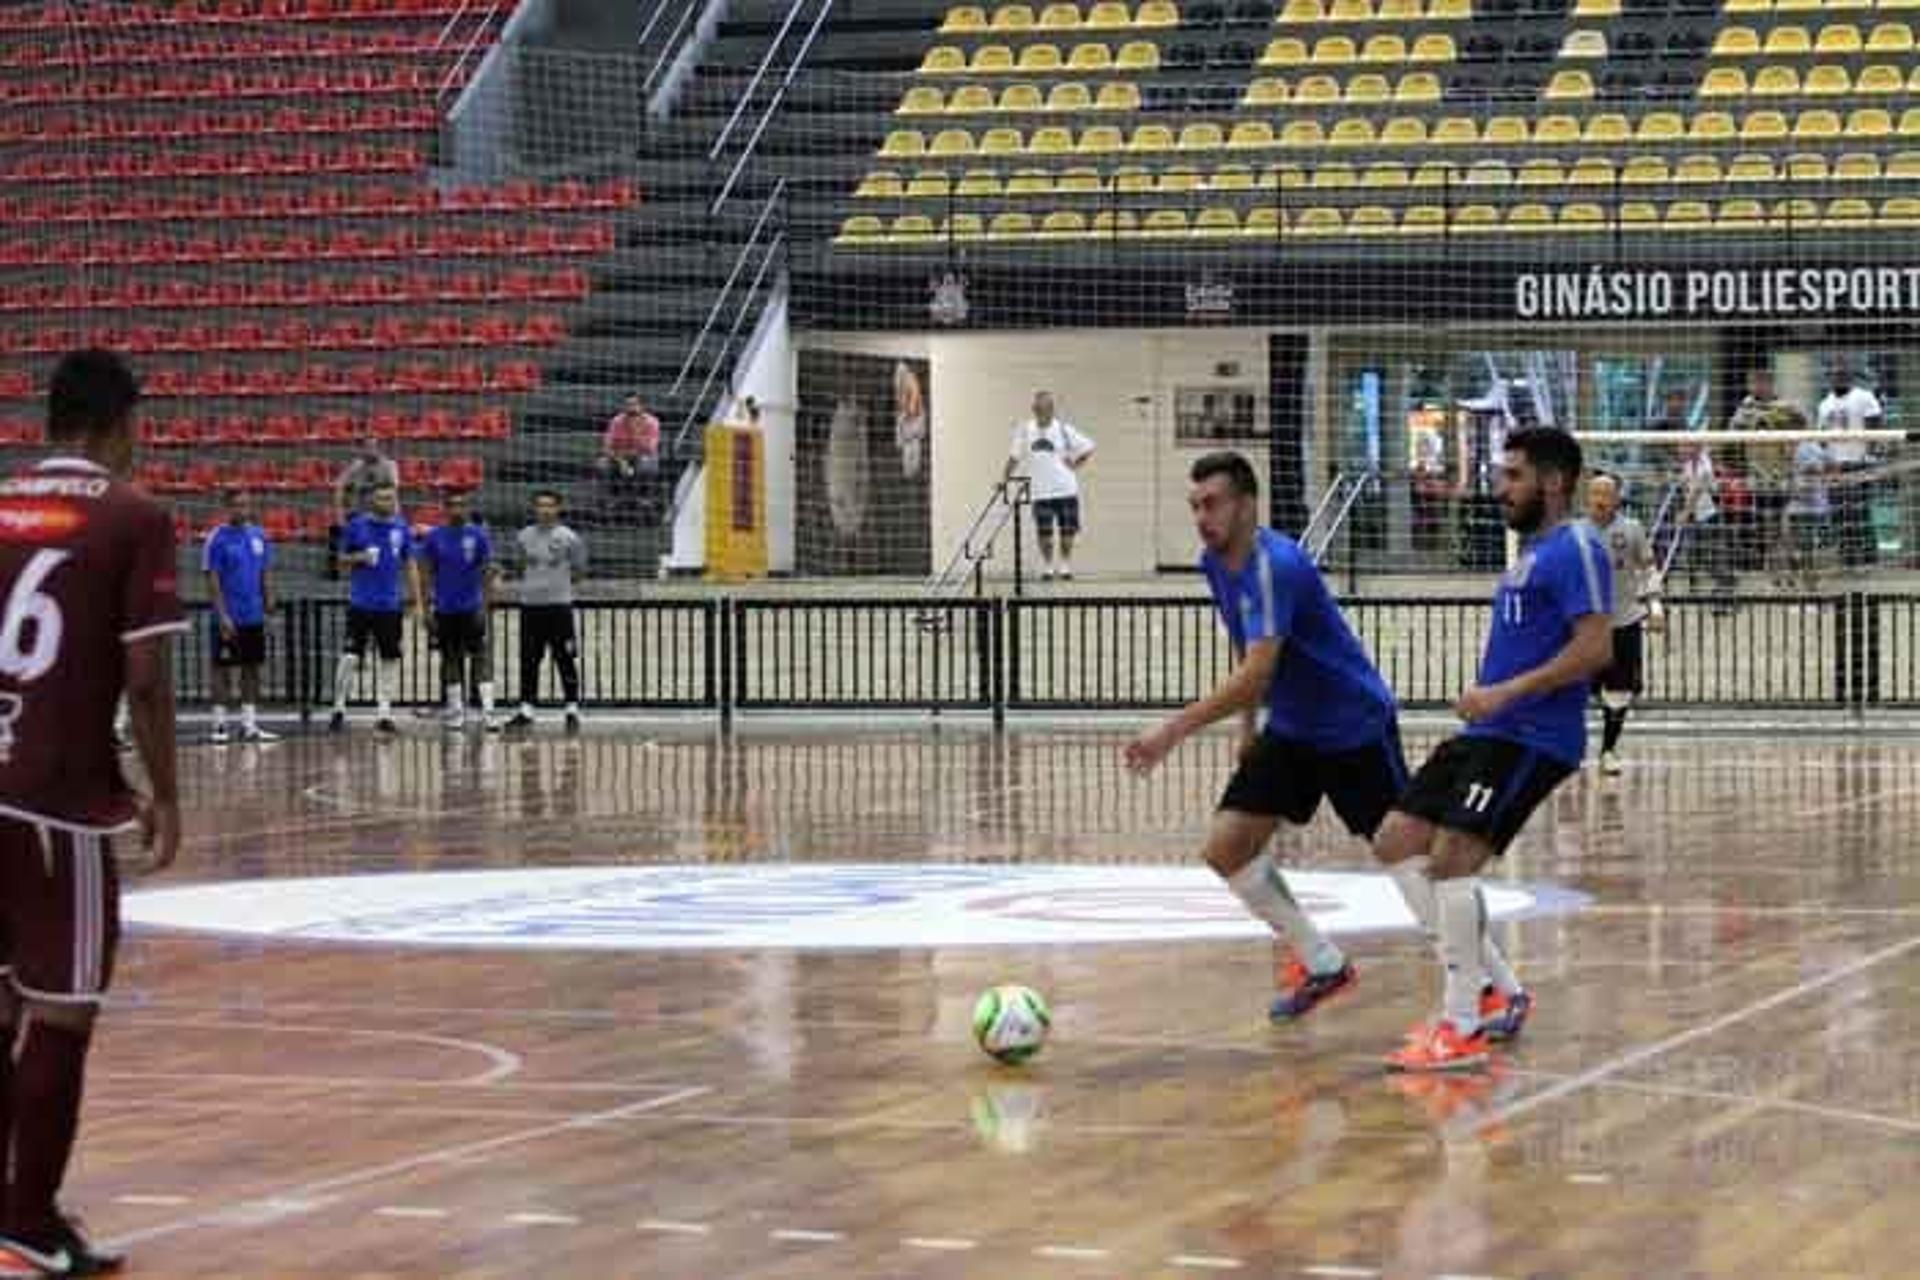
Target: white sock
x,y
456,700
219,717
486,696
1416,886
387,680
1499,972
573,708
343,673
526,709
1263,889
249,717
1460,929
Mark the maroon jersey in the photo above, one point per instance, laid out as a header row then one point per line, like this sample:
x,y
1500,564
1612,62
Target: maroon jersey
x,y
86,567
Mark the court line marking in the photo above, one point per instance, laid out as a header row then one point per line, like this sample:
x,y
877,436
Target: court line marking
x,y
542,1220
381,1082
939,1244
1585,1080
1205,1262
308,1192
151,1200
1854,802
1071,1252
1590,1179
1334,1271
408,1211
668,1227
505,1062
799,1235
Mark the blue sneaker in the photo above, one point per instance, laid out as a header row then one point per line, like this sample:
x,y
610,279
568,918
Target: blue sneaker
x,y
1301,990
1502,1017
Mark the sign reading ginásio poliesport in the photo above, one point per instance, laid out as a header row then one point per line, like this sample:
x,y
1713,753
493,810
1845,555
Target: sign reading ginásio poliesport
x,y
1718,293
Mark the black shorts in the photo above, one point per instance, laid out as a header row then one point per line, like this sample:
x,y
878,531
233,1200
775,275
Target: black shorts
x,y
1486,787
381,628
1285,778
1623,673
247,647
461,634
1056,513
59,911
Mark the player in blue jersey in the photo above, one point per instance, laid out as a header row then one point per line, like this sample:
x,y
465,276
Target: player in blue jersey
x,y
1317,719
1526,732
377,550
456,560
236,560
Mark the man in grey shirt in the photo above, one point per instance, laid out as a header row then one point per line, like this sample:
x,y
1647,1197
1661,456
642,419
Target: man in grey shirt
x,y
1636,608
551,555
353,491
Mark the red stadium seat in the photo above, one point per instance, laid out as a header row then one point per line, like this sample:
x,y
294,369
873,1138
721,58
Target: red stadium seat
x,y
491,424
282,524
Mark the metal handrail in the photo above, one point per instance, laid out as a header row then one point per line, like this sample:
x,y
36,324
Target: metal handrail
x,y
740,315
739,265
773,107
665,57
746,95
1002,505
1355,490
1327,499
473,42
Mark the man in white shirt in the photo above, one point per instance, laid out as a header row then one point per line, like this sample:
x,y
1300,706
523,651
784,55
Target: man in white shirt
x,y
1850,407
1053,451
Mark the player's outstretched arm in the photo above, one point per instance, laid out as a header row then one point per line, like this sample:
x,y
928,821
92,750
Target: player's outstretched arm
x,y
1581,658
1242,690
150,706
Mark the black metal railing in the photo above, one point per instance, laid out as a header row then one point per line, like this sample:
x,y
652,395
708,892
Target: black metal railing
x,y
723,655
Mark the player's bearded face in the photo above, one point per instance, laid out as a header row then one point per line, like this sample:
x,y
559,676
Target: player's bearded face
x,y
1522,499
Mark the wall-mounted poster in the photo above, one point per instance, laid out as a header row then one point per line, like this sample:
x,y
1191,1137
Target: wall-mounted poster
x,y
1204,415
864,464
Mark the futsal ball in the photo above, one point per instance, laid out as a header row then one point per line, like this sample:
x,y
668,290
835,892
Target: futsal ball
x,y
1010,1022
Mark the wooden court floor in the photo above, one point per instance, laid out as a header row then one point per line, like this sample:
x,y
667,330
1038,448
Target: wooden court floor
x,y
1716,1081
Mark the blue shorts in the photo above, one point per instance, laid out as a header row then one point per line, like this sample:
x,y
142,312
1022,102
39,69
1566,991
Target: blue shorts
x,y
1056,513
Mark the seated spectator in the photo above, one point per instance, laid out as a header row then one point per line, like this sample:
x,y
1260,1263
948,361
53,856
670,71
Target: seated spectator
x,y
629,461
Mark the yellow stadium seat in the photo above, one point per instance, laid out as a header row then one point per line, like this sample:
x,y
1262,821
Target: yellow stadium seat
x,y
1317,89
1660,126
1064,224
1764,124
965,17
943,60
1267,91
1054,141
1091,57
1586,43
1899,4
1736,42
1776,82
1060,17
1120,95
1434,173
1116,222
1890,37
1816,124
1216,224
1591,172
1788,40
1334,51
1138,55
1108,15
979,182
1132,179
1556,130
1645,169
966,226
1010,226
1384,175
1151,137
1838,37
1370,220
1287,177
1638,215
1597,9
1202,135
1881,79
1476,218
1582,217
1569,84
1284,52
971,99
1417,86
1869,123
1828,81
1857,167
1368,88
1504,131
1796,213
904,142
1847,212
912,228
1319,220
1334,177
1157,13
1910,123
1796,6
1398,10
1042,57
1697,169
1455,131
1749,6
1351,11
1740,215
1384,49
864,229
1839,5
1713,126
1404,131
1689,215
1432,48
1724,82
1807,167
1250,134
1165,224
1068,95
1303,133
1904,165
1263,223
929,184
1901,211
1423,220
1752,167
1529,217
1449,10
881,184
1304,11
922,101
1608,126
993,59
951,142
1352,133
1541,173
1012,17
1099,139
1232,177
1079,182
1488,173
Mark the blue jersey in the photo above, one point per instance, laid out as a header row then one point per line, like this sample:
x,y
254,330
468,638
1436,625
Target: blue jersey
x,y
1559,577
238,556
1325,691
377,587
459,556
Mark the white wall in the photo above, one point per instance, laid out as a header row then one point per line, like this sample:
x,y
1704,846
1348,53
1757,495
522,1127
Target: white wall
x,y
769,374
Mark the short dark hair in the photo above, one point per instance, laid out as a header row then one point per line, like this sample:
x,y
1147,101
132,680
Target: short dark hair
x,y
549,493
90,394
1234,466
384,484
1549,449
236,491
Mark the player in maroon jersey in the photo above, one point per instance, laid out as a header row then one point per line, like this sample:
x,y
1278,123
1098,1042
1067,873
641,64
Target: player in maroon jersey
x,y
88,608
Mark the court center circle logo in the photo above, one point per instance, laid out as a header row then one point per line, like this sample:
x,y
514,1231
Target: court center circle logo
x,y
816,907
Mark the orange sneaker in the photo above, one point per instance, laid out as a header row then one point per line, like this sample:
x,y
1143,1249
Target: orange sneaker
x,y
1302,990
1440,1047
1503,1016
